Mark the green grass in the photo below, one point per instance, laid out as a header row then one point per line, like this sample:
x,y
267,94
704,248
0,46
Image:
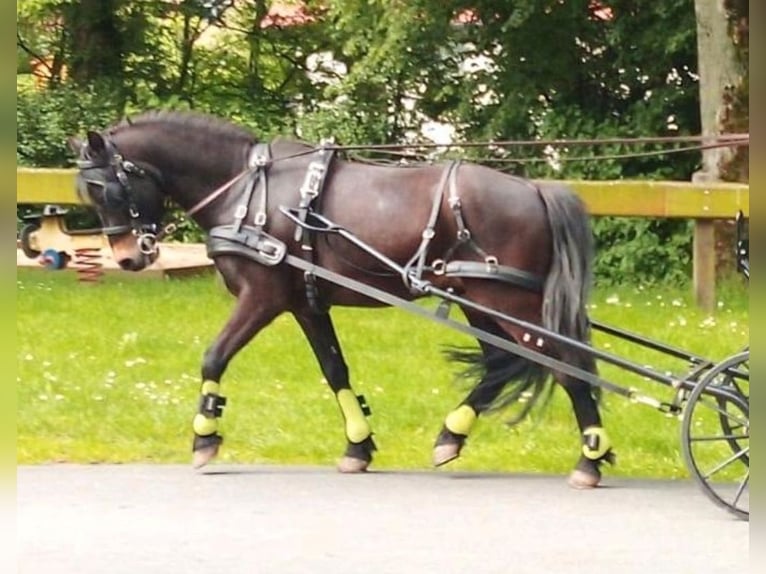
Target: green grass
x,y
109,373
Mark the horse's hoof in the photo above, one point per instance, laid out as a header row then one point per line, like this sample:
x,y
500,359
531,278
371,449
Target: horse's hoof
x,y
351,465
582,480
204,455
444,453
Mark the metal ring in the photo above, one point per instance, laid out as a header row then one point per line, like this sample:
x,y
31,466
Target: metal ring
x,y
147,243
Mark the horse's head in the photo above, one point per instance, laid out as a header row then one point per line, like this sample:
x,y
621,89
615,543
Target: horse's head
x,y
126,195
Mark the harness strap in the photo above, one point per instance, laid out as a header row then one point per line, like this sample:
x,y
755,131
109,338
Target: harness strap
x,y
489,270
256,163
248,242
312,186
419,258
463,233
259,159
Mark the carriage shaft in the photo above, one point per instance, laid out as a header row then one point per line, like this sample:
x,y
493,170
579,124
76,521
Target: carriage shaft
x,y
505,344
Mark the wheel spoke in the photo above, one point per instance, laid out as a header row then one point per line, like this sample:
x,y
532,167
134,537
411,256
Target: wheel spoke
x,y
722,412
734,437
741,488
728,461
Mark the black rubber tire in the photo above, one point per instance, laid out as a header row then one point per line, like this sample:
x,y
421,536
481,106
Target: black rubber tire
x,y
24,236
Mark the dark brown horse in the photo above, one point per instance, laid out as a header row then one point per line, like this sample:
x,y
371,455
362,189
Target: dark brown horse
x,y
502,242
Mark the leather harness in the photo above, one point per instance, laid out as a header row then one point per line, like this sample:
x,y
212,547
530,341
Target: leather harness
x,y
253,242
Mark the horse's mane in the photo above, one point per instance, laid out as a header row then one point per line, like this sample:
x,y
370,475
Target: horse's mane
x,y
195,120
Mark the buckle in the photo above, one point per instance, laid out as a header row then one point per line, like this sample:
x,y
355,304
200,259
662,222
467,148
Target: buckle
x,y
212,405
363,405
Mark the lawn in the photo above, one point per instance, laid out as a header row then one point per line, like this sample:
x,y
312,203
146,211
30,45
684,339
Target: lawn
x,y
110,373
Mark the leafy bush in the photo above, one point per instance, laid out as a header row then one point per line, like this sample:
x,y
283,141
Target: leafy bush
x,y
46,118
642,251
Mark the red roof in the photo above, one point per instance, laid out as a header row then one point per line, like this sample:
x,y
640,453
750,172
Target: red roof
x,y
283,15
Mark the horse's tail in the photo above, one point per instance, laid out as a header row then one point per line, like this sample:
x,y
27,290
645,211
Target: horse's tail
x,y
564,311
567,286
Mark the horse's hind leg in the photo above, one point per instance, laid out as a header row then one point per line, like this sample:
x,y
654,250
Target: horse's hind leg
x,y
596,446
496,367
502,368
320,333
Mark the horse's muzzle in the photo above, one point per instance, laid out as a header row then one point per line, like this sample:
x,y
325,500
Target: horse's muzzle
x,y
138,261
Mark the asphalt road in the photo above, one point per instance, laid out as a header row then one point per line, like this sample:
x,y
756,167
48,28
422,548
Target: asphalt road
x,y
145,519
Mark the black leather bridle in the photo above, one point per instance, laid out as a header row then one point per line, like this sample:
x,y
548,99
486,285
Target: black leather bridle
x,y
147,235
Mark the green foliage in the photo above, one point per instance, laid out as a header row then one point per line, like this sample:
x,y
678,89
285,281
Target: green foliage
x,y
46,119
494,70
641,250
346,124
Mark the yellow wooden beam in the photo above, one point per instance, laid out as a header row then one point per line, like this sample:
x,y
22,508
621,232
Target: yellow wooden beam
x,y
623,197
642,198
57,186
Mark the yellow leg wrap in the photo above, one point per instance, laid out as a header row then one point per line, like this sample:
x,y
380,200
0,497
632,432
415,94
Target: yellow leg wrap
x,y
203,425
357,427
595,442
460,421
210,388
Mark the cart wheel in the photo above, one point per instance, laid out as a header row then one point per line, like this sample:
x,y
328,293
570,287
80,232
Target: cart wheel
x,y
735,426
716,434
24,238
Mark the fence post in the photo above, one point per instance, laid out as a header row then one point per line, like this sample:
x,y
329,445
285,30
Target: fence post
x,y
704,264
703,254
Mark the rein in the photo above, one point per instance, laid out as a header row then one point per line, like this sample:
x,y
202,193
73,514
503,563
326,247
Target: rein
x,y
199,206
253,165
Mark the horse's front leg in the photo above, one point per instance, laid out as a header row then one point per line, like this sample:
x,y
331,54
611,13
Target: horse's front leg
x,y
249,317
320,333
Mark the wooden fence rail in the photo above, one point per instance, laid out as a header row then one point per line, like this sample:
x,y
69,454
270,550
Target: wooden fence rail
x,y
702,202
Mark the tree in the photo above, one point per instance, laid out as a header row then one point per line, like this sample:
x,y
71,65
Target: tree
x,y
526,69
723,46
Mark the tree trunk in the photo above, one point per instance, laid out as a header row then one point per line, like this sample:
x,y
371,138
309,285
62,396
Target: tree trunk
x,y
720,73
95,41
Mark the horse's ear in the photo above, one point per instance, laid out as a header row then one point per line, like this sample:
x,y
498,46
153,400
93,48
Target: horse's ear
x,y
96,142
74,144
